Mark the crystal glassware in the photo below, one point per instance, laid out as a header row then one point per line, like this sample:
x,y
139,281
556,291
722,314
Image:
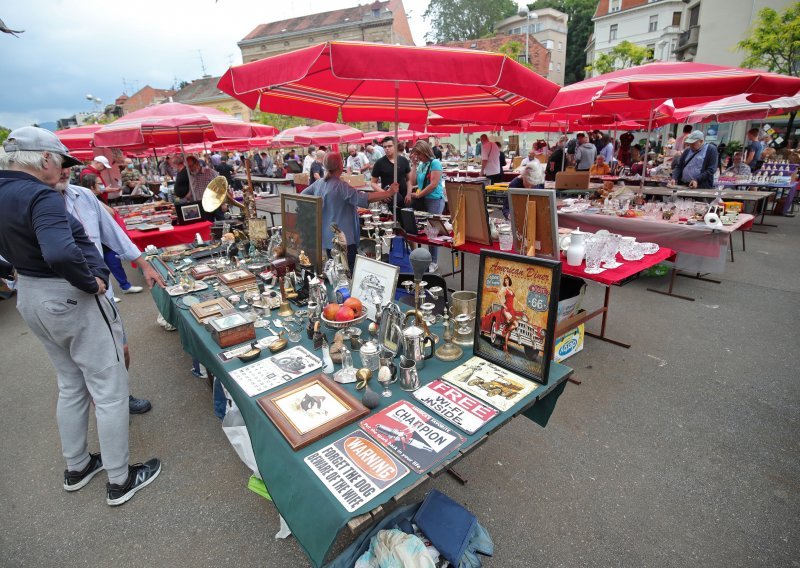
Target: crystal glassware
x,y
610,251
594,252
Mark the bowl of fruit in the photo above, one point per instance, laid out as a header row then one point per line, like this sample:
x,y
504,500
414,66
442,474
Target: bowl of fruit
x,y
339,316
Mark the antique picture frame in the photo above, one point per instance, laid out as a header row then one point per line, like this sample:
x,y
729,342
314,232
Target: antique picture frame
x,y
476,214
372,277
307,410
544,229
517,312
203,311
189,213
302,228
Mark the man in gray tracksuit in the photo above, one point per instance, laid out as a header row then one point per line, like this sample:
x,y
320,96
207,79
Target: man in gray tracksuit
x,y
62,281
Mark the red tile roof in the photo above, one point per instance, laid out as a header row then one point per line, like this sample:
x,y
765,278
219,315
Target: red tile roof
x,y
603,6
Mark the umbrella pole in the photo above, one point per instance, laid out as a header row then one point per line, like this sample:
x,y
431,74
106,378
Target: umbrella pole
x,y
647,146
396,142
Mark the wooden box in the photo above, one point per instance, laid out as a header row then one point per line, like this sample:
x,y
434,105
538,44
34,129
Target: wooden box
x,y
239,279
231,330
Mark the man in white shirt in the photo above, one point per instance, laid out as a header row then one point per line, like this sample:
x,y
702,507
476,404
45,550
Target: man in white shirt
x,y
525,161
309,159
490,160
357,162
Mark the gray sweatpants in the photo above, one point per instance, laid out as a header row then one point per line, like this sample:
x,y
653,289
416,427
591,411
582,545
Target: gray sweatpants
x,y
86,350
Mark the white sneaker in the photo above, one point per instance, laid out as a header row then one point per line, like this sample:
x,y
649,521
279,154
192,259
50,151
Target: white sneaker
x,y
164,323
433,267
133,290
117,300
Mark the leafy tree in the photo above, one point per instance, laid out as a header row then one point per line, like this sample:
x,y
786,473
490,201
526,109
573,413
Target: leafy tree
x,y
279,121
459,20
579,27
513,49
625,54
774,44
4,132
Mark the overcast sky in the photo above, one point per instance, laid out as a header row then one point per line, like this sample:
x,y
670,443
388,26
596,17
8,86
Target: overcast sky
x,y
74,48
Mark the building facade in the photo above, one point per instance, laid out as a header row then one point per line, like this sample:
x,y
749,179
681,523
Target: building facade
x,y
549,28
142,98
655,24
204,92
379,22
538,55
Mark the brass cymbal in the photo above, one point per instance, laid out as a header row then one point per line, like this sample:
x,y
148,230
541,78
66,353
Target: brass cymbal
x,y
215,194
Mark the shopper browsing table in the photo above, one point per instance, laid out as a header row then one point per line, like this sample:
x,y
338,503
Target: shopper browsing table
x,y
383,172
490,160
340,203
698,163
62,281
427,171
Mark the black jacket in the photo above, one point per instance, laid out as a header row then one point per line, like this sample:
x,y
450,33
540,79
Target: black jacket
x,y
706,178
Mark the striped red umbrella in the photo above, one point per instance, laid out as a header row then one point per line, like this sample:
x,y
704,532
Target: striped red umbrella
x,y
175,123
733,108
78,140
326,133
351,78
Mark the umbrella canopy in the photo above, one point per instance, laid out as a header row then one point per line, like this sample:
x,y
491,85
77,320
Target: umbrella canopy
x,y
632,92
733,108
326,133
78,138
402,134
175,123
325,80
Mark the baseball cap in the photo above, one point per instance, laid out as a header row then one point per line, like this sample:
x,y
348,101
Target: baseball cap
x,y
102,160
695,136
35,139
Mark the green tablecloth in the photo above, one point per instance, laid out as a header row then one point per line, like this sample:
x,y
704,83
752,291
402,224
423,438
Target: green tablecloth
x,y
312,513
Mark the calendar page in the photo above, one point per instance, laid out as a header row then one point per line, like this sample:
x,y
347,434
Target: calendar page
x,y
269,373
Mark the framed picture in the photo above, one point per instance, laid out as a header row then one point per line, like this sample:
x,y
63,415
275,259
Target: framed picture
x,y
534,222
188,213
476,214
438,224
517,305
310,409
373,278
210,308
302,228
234,276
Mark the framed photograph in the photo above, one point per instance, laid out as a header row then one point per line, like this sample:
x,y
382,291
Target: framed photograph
x,y
257,229
310,409
202,311
534,222
302,228
234,276
517,306
438,224
373,279
476,214
188,213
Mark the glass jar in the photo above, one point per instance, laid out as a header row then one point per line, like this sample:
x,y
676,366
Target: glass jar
x,y
370,356
506,238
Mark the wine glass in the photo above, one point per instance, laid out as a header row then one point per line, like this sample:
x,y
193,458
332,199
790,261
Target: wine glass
x,y
385,379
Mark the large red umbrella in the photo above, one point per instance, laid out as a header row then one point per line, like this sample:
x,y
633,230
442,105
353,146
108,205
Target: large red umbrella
x,y
323,80
175,123
78,140
632,92
733,108
326,133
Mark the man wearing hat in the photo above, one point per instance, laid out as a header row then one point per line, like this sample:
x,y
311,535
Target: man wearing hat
x,y
696,166
62,281
97,165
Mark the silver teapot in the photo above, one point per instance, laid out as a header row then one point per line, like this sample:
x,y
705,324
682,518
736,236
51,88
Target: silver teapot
x,y
414,342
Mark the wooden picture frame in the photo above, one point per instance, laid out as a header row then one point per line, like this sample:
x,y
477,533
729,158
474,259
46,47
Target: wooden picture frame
x,y
521,290
204,311
188,213
302,228
476,214
308,410
523,203
372,276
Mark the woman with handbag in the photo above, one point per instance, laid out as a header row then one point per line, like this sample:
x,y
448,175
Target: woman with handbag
x,y
428,194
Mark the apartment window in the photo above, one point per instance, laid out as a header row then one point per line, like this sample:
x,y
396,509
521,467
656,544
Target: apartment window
x,y
694,16
614,5
559,46
612,32
653,25
551,66
516,31
548,44
676,19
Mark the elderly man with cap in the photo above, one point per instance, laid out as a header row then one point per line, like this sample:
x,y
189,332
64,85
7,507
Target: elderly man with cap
x,y
62,281
95,167
340,203
698,163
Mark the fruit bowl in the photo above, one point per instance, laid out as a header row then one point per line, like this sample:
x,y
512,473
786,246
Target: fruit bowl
x,y
333,324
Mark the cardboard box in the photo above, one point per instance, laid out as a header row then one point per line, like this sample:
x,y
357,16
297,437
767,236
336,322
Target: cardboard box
x,y
568,344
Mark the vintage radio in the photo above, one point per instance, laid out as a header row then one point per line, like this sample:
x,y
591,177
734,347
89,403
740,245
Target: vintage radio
x,y
231,330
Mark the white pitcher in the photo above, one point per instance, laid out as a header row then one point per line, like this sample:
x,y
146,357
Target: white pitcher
x,y
577,247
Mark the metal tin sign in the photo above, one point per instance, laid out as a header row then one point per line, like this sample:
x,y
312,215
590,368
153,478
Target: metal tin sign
x,y
355,469
456,406
415,436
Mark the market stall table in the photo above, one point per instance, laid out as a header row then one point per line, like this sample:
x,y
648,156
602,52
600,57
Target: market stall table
x,y
611,277
269,204
313,514
271,182
175,235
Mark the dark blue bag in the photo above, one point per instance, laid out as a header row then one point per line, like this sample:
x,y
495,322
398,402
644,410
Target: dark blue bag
x,y
399,253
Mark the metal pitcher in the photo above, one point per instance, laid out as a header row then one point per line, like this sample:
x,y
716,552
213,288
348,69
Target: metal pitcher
x,y
414,342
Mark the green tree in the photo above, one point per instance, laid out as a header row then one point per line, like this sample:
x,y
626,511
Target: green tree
x,y
579,28
279,121
513,49
774,44
459,20
625,54
4,132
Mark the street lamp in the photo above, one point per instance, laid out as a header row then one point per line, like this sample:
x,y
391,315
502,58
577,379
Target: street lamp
x,y
525,12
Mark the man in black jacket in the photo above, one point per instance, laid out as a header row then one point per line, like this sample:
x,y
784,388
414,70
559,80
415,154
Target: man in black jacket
x,y
698,163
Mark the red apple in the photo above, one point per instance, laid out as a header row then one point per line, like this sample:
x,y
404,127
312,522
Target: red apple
x,y
354,304
345,314
329,312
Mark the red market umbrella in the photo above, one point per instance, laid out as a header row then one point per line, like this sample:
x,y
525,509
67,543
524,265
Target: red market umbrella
x,y
79,139
402,134
326,133
175,123
325,80
733,108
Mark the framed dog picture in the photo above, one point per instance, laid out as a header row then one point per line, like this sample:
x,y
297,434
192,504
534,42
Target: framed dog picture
x,y
310,409
517,310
